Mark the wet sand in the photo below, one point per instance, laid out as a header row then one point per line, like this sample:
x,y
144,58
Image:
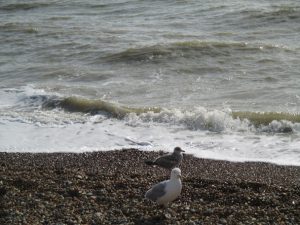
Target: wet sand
x,y
109,187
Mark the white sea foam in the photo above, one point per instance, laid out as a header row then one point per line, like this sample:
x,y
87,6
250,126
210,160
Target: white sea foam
x,y
199,118
114,134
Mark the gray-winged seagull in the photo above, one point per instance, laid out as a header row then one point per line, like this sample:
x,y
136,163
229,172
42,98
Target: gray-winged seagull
x,y
168,161
166,191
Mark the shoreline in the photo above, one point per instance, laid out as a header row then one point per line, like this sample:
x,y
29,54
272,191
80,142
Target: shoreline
x,y
108,187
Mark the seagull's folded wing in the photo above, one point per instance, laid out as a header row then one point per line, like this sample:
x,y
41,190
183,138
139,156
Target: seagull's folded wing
x,y
157,191
167,161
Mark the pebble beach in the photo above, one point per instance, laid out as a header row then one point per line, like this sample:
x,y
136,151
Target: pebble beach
x,y
108,187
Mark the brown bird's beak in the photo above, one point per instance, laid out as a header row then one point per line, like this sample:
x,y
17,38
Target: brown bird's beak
x,y
178,149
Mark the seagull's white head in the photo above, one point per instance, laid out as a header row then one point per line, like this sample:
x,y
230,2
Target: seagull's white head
x,y
175,173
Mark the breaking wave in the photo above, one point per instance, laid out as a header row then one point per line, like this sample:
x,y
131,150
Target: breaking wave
x,y
196,118
75,104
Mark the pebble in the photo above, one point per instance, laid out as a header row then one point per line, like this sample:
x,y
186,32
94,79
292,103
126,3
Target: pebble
x,y
223,221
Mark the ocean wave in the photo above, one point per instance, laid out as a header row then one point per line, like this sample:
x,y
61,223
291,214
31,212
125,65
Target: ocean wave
x,y
223,120
265,120
19,27
23,6
277,14
76,104
197,118
191,49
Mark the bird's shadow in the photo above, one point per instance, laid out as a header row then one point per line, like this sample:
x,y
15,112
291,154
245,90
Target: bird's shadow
x,y
158,214
155,219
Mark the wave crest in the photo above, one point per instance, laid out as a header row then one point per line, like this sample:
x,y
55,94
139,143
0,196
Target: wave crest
x,y
75,104
278,13
265,118
23,6
189,49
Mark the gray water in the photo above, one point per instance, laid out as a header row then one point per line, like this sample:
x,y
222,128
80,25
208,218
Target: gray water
x,y
193,60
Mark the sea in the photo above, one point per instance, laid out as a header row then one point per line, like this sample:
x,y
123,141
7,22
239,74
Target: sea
x,y
220,79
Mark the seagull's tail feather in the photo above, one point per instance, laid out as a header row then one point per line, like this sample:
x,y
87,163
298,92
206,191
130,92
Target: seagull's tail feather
x,y
150,163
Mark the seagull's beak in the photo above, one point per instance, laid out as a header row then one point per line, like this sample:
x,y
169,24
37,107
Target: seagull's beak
x,y
179,175
182,150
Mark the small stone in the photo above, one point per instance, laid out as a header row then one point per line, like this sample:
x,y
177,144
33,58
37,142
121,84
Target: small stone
x,y
79,176
223,221
191,223
208,211
93,197
67,182
98,215
168,216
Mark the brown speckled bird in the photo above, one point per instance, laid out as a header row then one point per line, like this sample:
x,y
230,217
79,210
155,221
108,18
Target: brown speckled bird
x,y
168,161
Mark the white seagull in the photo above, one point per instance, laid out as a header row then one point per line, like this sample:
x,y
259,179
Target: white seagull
x,y
166,191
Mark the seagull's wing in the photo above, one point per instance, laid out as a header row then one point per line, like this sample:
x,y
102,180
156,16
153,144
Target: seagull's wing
x,y
167,161
157,191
